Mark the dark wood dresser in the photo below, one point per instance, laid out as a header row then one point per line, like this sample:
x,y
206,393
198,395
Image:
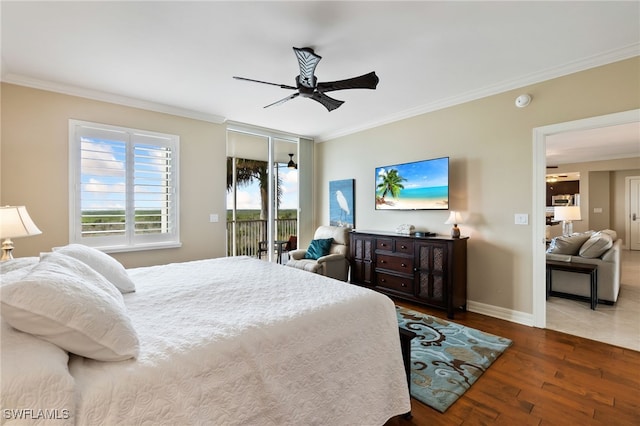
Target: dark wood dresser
x,y
431,271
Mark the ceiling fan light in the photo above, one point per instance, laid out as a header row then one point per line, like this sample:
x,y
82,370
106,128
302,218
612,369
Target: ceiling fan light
x,y
291,163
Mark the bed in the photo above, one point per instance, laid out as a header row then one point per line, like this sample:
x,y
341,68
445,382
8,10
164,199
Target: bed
x,y
222,341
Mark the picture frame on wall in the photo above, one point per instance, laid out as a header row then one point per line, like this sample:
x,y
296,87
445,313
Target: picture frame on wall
x,y
342,203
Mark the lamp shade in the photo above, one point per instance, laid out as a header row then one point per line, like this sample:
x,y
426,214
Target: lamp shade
x,y
15,222
454,218
567,213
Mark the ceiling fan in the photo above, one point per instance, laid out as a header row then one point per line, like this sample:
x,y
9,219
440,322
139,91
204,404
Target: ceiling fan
x,y
307,84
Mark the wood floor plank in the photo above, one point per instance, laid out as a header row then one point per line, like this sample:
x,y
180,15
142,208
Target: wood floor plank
x,y
544,378
623,413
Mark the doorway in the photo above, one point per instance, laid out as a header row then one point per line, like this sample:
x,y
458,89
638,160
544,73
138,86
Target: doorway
x,y
539,196
262,193
632,211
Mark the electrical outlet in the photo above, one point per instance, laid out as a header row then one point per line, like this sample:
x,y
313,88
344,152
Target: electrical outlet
x,y
213,218
522,219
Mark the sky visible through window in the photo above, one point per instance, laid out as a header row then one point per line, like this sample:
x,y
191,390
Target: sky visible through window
x,y
249,196
103,176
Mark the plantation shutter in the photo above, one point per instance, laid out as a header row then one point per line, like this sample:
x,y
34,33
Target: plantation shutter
x,y
153,186
125,187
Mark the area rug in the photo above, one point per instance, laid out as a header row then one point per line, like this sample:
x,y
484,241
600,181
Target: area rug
x,y
446,358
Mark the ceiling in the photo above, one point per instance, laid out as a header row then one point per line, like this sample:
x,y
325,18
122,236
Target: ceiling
x,y
604,143
179,57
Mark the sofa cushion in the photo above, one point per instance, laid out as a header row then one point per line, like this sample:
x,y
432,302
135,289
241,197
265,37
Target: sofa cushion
x,y
596,245
568,244
318,248
559,257
613,234
305,264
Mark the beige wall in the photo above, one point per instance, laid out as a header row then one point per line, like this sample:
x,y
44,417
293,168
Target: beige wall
x,y
34,160
599,206
489,142
490,145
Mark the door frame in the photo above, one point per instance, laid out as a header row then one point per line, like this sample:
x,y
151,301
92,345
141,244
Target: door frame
x,y
627,209
539,197
270,137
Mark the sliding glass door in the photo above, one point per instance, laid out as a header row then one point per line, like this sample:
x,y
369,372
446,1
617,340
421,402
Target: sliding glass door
x,y
262,194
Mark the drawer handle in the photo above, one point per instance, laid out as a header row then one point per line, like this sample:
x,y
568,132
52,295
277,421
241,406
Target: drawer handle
x,y
383,245
381,261
382,280
404,265
403,284
403,247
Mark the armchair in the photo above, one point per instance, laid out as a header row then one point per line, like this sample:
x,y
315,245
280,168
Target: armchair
x,y
335,264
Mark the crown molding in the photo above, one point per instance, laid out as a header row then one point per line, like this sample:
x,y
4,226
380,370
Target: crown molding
x,y
615,55
97,95
611,56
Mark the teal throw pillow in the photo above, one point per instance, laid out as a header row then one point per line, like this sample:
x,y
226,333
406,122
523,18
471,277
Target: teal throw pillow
x,y
318,248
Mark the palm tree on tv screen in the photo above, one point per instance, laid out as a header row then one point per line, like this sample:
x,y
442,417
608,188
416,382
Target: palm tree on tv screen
x,y
391,184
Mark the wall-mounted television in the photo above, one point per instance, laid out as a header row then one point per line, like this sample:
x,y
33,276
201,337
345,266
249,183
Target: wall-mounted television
x,y
419,185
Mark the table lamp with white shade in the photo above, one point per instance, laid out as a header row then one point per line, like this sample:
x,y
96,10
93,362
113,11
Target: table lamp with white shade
x,y
567,214
454,219
14,223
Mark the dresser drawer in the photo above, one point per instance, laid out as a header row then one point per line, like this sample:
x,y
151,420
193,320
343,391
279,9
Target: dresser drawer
x,y
393,282
385,244
395,263
404,247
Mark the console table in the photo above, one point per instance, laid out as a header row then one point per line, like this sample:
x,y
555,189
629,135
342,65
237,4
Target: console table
x,y
581,268
430,271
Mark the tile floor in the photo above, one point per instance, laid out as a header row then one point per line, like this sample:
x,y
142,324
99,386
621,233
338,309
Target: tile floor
x,y
618,324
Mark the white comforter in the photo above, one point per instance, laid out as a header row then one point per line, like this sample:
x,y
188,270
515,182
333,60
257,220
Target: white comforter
x,y
238,341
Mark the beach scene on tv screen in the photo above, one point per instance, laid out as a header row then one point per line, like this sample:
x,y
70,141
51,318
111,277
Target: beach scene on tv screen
x,y
413,186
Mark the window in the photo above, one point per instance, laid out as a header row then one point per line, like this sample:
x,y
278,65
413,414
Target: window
x,y
124,187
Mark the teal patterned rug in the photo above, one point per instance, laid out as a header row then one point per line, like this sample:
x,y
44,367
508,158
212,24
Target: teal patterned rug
x,y
446,358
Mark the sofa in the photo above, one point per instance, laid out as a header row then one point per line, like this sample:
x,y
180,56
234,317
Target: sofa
x,y
598,248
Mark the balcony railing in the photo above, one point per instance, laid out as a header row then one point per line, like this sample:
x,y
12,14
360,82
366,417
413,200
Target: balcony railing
x,y
250,232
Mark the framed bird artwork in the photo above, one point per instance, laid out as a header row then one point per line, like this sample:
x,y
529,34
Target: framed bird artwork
x,y
341,203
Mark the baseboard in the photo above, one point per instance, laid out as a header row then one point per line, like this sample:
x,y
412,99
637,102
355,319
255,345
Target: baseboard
x,y
500,313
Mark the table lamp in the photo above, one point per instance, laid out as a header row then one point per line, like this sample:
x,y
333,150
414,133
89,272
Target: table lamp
x,y
454,219
14,223
567,214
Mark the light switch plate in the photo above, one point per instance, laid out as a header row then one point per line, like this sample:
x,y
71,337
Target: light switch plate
x,y
522,219
213,218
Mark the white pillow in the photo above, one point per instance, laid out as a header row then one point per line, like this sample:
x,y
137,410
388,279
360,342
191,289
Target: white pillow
x,y
35,374
568,244
596,245
65,302
18,263
613,234
101,262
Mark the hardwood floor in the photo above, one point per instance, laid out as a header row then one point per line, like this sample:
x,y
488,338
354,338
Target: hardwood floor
x,y
544,378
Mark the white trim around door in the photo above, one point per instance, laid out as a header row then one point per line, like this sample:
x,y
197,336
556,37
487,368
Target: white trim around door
x,y
539,173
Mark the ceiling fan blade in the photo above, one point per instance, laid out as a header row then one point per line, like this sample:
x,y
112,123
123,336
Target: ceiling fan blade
x,y
281,101
328,102
307,60
365,81
282,86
